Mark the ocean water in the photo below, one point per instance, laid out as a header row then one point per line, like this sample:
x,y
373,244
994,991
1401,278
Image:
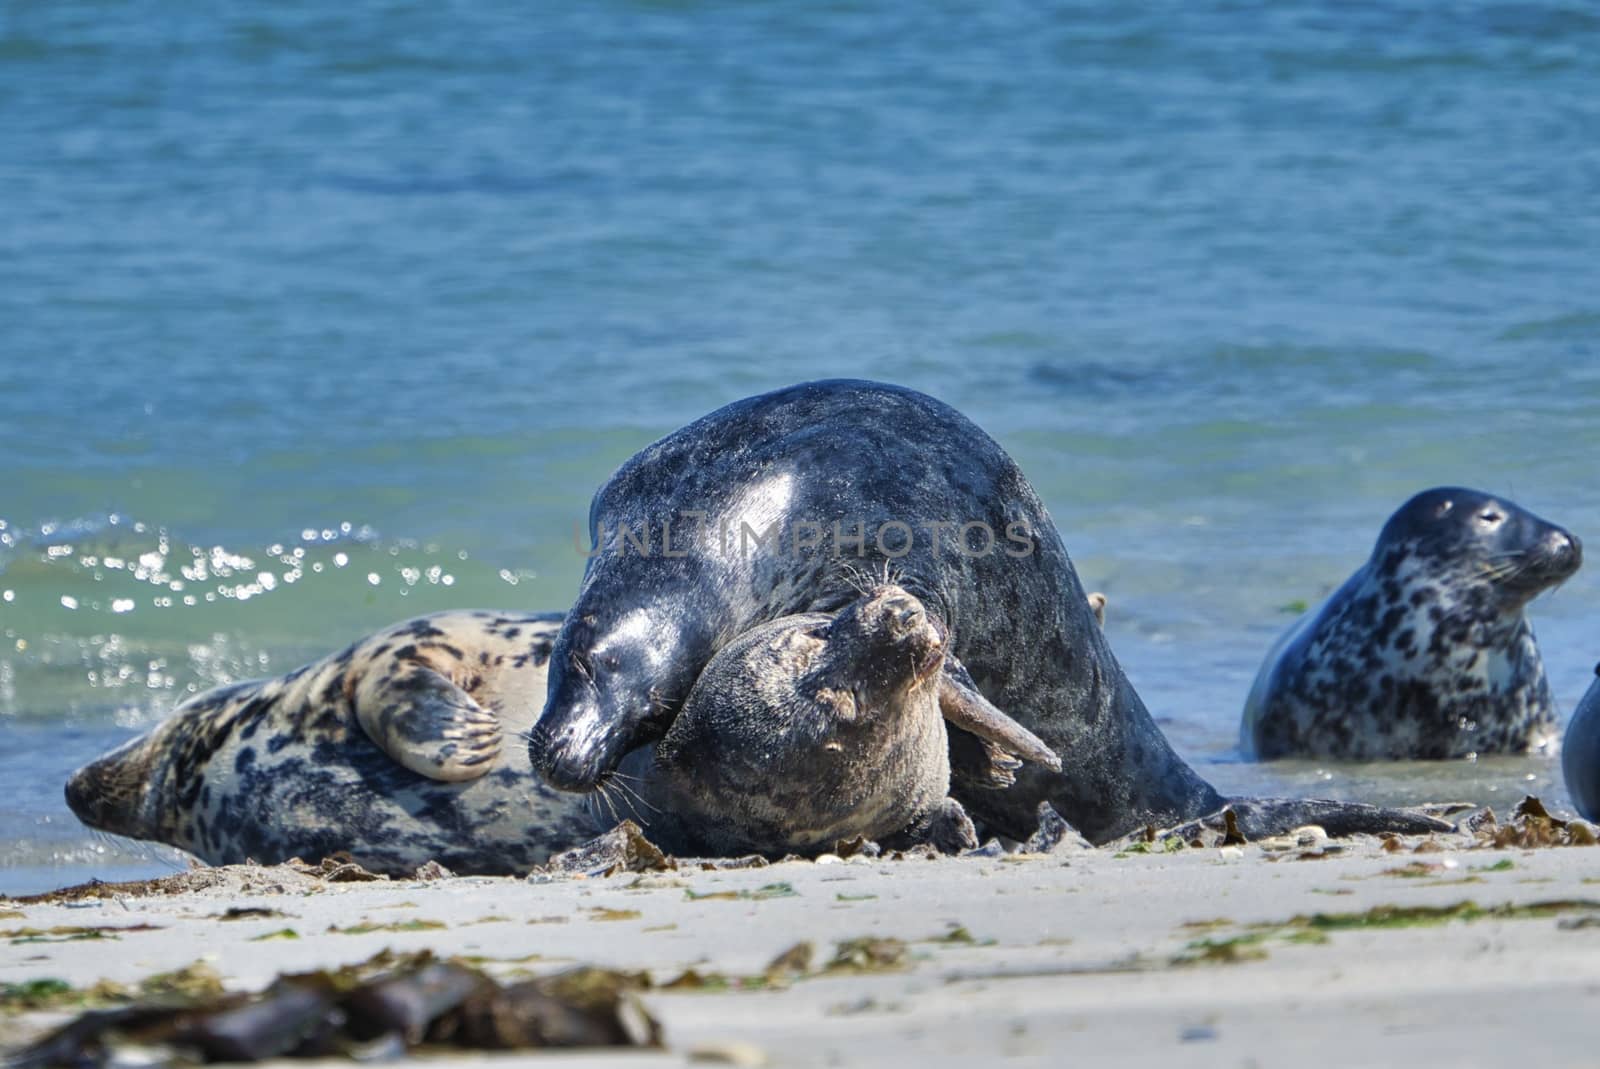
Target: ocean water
x,y
314,316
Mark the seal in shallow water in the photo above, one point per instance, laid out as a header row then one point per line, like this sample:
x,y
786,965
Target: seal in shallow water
x,y
814,729
1580,753
772,506
400,750
1426,651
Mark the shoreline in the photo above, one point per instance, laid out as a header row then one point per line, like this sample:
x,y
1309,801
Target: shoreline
x,y
1355,951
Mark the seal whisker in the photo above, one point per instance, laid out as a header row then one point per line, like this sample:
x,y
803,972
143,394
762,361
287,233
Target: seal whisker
x,y
142,849
611,802
630,793
855,579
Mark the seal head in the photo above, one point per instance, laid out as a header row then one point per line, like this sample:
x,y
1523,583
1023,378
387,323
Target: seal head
x,y
809,730
621,680
1426,651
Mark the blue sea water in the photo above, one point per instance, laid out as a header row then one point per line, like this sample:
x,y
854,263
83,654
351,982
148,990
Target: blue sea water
x,y
314,316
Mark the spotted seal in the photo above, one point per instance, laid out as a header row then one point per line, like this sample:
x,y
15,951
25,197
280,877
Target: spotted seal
x,y
400,749
817,728
1426,651
770,507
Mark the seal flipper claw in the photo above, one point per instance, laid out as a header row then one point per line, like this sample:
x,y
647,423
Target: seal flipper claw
x,y
963,706
426,723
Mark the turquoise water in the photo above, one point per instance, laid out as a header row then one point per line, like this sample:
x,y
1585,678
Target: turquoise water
x,y
315,316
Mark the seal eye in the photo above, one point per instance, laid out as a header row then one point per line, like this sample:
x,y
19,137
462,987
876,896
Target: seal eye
x,y
1490,517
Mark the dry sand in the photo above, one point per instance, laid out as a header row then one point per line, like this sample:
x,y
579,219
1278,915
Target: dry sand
x,y
1194,957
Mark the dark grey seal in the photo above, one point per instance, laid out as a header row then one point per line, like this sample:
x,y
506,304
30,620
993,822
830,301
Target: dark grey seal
x,y
1580,753
1426,651
814,729
772,507
401,749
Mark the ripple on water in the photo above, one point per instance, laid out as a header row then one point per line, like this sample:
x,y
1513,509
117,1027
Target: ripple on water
x,y
115,623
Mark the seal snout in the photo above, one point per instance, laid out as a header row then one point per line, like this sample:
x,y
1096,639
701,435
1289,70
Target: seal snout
x,y
904,625
575,755
107,794
1565,547
1552,558
567,763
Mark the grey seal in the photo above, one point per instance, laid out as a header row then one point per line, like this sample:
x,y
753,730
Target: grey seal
x,y
400,749
770,506
1426,651
818,728
1580,753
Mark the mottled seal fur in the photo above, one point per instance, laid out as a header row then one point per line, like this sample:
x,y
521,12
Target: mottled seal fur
x,y
1580,753
817,728
838,475
1426,651
400,749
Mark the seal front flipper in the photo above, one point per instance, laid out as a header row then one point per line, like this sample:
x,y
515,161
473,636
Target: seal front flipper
x,y
425,722
978,764
1258,818
946,828
969,710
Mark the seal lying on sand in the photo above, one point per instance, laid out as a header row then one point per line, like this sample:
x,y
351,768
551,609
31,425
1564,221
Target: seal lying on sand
x,y
1580,753
1426,651
771,506
395,750
816,728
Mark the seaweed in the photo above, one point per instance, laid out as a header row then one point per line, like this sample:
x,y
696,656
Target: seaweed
x,y
1229,951
67,933
247,913
388,1002
35,994
1430,916
1532,826
770,890
367,927
958,935
868,954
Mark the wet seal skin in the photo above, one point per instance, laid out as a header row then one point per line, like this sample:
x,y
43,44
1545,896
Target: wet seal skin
x,y
814,729
897,477
401,749
394,751
1426,651
1580,753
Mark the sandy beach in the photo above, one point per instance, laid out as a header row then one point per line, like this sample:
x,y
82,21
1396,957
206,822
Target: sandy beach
x,y
1351,953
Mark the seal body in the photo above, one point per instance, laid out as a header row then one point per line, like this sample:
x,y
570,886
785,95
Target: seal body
x,y
400,749
1426,651
806,731
1580,753
775,506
